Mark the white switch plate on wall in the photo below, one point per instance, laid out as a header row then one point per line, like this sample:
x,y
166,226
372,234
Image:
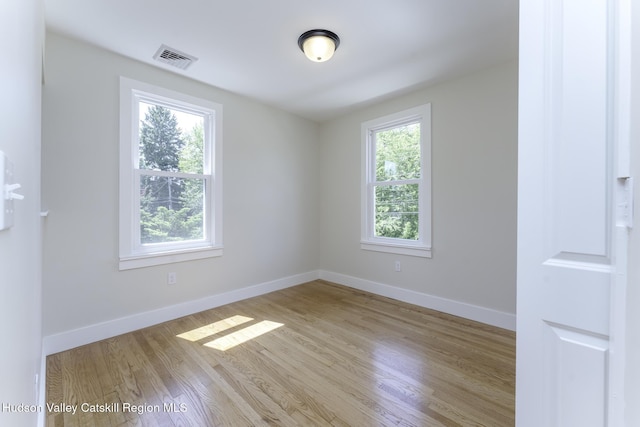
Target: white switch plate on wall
x,y
6,203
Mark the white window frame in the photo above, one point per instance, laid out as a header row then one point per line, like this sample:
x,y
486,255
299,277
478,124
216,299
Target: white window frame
x,y
132,253
369,241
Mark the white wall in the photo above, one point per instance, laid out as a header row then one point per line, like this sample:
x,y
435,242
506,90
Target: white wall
x,y
474,155
20,248
270,187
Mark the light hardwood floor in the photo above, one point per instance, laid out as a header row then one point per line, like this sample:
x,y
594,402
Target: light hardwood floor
x,y
315,354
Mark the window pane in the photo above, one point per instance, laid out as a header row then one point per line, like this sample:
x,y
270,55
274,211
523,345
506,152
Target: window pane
x,y
170,140
171,209
396,211
398,153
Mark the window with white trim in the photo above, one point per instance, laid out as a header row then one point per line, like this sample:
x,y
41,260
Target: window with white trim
x,y
170,176
396,187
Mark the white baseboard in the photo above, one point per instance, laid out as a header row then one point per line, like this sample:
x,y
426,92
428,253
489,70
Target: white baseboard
x,y
99,331
468,311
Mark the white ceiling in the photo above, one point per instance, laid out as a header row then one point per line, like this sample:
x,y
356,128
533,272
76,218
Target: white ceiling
x,y
388,47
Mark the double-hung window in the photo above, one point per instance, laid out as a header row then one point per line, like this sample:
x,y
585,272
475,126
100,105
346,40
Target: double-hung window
x,y
396,188
170,176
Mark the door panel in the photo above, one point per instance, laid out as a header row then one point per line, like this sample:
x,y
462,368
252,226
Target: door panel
x,y
571,385
575,297
576,60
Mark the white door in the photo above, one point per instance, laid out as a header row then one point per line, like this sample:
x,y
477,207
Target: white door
x,y
572,223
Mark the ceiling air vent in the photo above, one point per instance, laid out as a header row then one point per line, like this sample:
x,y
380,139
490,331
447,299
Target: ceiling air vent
x,y
174,57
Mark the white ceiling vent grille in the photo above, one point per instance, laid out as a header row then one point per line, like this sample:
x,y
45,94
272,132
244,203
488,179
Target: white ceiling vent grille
x,y
174,57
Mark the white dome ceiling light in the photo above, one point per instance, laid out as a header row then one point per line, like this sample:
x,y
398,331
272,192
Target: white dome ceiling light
x,y
318,45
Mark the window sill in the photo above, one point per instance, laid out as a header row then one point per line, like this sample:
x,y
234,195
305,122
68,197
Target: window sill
x,y
395,248
149,260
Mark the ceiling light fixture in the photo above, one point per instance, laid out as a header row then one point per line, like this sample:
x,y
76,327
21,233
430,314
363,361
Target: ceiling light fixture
x,y
318,45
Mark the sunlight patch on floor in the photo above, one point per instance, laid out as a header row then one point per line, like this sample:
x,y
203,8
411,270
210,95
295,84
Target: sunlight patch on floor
x,y
214,328
250,332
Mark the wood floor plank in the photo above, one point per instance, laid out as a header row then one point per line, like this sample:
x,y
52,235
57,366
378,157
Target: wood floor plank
x,y
318,354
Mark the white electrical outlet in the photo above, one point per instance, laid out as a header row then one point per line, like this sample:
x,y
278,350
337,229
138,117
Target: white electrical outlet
x,y
398,267
172,278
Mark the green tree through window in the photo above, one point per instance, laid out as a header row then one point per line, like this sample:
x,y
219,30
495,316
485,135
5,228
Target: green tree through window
x,y
397,153
171,203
